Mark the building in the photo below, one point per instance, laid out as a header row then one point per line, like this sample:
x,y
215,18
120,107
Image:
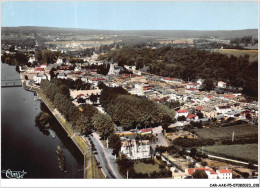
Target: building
x,y
210,173
134,149
62,75
41,76
223,109
182,112
222,84
224,174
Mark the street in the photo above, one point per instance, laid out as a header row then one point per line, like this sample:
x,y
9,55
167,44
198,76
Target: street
x,y
105,158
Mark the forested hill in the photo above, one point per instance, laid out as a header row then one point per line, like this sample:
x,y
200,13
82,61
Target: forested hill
x,y
191,63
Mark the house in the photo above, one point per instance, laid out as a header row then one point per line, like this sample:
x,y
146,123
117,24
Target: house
x,y
223,109
44,66
149,130
134,149
31,59
224,174
62,75
210,173
168,80
182,112
192,117
208,112
41,76
59,61
222,84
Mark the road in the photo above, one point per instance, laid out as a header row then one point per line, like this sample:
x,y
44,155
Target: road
x,y
161,140
105,158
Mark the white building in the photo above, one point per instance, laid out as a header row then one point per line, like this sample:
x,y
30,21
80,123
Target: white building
x,y
182,112
41,76
222,84
31,59
223,109
136,149
62,75
224,174
59,61
137,90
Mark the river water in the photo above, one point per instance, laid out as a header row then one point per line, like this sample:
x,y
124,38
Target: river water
x,y
25,146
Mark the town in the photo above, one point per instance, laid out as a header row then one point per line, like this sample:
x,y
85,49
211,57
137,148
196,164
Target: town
x,y
143,124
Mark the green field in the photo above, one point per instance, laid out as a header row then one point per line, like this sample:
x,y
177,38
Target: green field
x,y
252,53
220,133
141,167
246,152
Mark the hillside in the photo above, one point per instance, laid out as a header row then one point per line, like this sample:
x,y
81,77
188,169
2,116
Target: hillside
x,y
149,33
191,63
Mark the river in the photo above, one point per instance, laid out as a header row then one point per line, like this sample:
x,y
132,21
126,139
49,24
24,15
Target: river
x,y
26,146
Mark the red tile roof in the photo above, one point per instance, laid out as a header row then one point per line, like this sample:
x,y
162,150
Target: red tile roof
x,y
80,95
199,107
39,69
192,170
146,130
224,171
168,78
230,96
210,96
182,111
190,116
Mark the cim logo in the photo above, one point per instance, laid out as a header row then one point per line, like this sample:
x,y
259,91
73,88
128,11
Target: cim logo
x,y
14,174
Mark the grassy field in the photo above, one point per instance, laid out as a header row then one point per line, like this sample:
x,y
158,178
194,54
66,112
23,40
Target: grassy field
x,y
246,152
141,167
253,53
219,133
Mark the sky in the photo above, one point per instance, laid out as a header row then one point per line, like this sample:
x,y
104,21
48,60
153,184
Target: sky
x,y
174,15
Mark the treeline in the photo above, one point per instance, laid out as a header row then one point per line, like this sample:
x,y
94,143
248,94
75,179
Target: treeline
x,y
84,119
240,141
22,42
130,111
74,84
191,64
14,59
186,142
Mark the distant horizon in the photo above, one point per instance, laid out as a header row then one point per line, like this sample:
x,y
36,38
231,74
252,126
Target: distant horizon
x,y
132,15
124,30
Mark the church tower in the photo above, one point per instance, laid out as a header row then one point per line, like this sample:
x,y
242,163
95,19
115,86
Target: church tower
x,y
112,68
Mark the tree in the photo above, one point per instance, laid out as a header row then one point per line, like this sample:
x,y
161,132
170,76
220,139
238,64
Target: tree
x,y
181,118
43,118
103,124
166,122
115,143
200,174
93,98
63,89
193,152
208,84
81,100
52,74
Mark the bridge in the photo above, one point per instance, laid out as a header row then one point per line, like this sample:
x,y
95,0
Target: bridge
x,y
11,83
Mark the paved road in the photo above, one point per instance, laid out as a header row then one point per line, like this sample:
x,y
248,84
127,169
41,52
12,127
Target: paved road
x,y
161,140
105,158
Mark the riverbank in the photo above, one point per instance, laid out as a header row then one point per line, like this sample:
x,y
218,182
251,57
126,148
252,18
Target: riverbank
x,y
27,146
91,169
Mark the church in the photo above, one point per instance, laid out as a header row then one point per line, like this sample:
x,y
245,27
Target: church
x,y
114,70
